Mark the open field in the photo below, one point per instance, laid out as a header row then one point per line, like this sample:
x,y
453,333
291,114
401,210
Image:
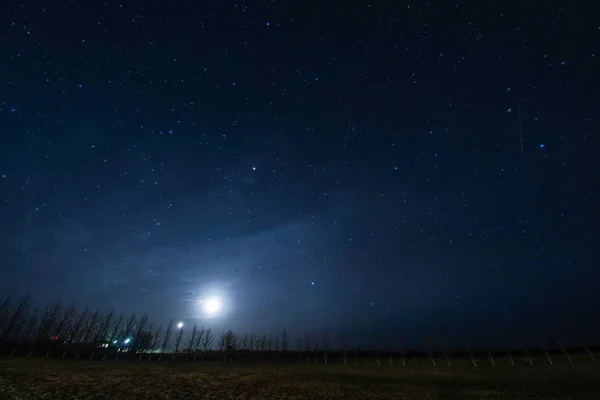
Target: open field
x,y
36,378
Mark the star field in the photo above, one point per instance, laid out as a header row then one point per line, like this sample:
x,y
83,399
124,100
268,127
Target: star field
x,y
324,165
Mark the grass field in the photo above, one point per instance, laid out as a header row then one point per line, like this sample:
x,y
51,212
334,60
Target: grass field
x,y
36,378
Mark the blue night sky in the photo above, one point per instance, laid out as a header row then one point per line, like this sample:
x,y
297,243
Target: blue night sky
x,y
383,167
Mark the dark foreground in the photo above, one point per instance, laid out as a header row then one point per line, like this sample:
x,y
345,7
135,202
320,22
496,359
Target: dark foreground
x,y
53,379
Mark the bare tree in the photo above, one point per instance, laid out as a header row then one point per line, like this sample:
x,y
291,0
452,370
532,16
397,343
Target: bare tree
x,y
115,329
245,341
129,329
144,339
101,334
75,329
140,337
270,347
207,341
253,342
128,332
13,315
155,338
92,326
228,343
192,342
104,329
5,307
25,329
178,339
199,338
62,327
88,332
166,339
270,342
48,320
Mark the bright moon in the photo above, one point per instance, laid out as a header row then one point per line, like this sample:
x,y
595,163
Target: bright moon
x,y
212,306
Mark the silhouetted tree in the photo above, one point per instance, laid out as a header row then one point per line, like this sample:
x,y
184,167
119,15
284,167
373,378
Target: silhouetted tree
x,y
62,327
199,338
244,343
144,339
101,334
115,328
207,341
5,307
25,329
228,343
76,327
178,339
192,342
88,333
48,320
128,332
140,337
14,316
156,334
166,339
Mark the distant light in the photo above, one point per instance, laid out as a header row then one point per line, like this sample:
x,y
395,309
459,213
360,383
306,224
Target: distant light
x,y
179,325
127,341
115,341
542,145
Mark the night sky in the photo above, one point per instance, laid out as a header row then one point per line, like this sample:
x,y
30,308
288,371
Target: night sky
x,y
414,167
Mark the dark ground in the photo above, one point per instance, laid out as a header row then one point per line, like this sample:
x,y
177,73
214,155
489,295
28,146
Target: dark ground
x,y
38,378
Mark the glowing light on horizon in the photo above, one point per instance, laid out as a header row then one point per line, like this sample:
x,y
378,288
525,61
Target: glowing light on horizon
x,y
212,306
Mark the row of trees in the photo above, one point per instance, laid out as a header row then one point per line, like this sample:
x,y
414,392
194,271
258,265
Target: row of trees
x,y
44,330
68,332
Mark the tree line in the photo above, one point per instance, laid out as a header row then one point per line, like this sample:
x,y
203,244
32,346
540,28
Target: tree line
x,y
69,332
59,331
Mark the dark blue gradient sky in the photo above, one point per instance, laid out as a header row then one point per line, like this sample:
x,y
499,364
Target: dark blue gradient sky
x,y
331,165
